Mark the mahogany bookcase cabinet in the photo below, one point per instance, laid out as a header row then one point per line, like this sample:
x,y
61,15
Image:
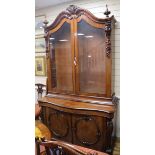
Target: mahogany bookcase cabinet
x,y
79,105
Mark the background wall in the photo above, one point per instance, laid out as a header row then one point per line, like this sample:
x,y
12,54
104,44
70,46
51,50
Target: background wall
x,y
97,7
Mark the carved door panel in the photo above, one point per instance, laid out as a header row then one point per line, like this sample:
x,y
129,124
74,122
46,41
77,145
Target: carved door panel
x,y
59,124
89,131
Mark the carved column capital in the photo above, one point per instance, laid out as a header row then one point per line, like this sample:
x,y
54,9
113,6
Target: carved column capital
x,y
109,136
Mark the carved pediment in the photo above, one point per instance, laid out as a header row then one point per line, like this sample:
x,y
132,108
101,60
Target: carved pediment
x,y
73,12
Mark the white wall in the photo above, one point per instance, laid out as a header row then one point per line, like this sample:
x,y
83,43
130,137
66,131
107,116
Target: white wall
x,y
97,7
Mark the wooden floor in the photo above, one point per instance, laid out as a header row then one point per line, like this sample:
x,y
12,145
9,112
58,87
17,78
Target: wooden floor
x,y
116,150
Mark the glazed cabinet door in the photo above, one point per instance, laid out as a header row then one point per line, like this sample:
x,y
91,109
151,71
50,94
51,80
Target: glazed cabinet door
x,y
91,55
89,131
59,124
61,61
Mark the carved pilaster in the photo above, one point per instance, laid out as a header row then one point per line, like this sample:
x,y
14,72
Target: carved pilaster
x,y
108,32
46,42
109,135
46,38
43,115
108,41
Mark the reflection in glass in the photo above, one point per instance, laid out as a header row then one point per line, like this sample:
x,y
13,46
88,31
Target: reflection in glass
x,y
91,58
60,51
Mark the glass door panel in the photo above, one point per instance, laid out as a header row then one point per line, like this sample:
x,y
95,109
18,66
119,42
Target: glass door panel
x,y
91,54
61,59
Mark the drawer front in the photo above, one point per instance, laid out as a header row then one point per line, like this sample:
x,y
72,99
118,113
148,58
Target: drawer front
x,y
89,131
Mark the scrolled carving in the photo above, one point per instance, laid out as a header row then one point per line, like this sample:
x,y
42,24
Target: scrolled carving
x,y
98,133
72,9
73,12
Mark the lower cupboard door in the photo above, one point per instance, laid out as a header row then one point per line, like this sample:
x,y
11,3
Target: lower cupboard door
x,y
89,131
59,124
